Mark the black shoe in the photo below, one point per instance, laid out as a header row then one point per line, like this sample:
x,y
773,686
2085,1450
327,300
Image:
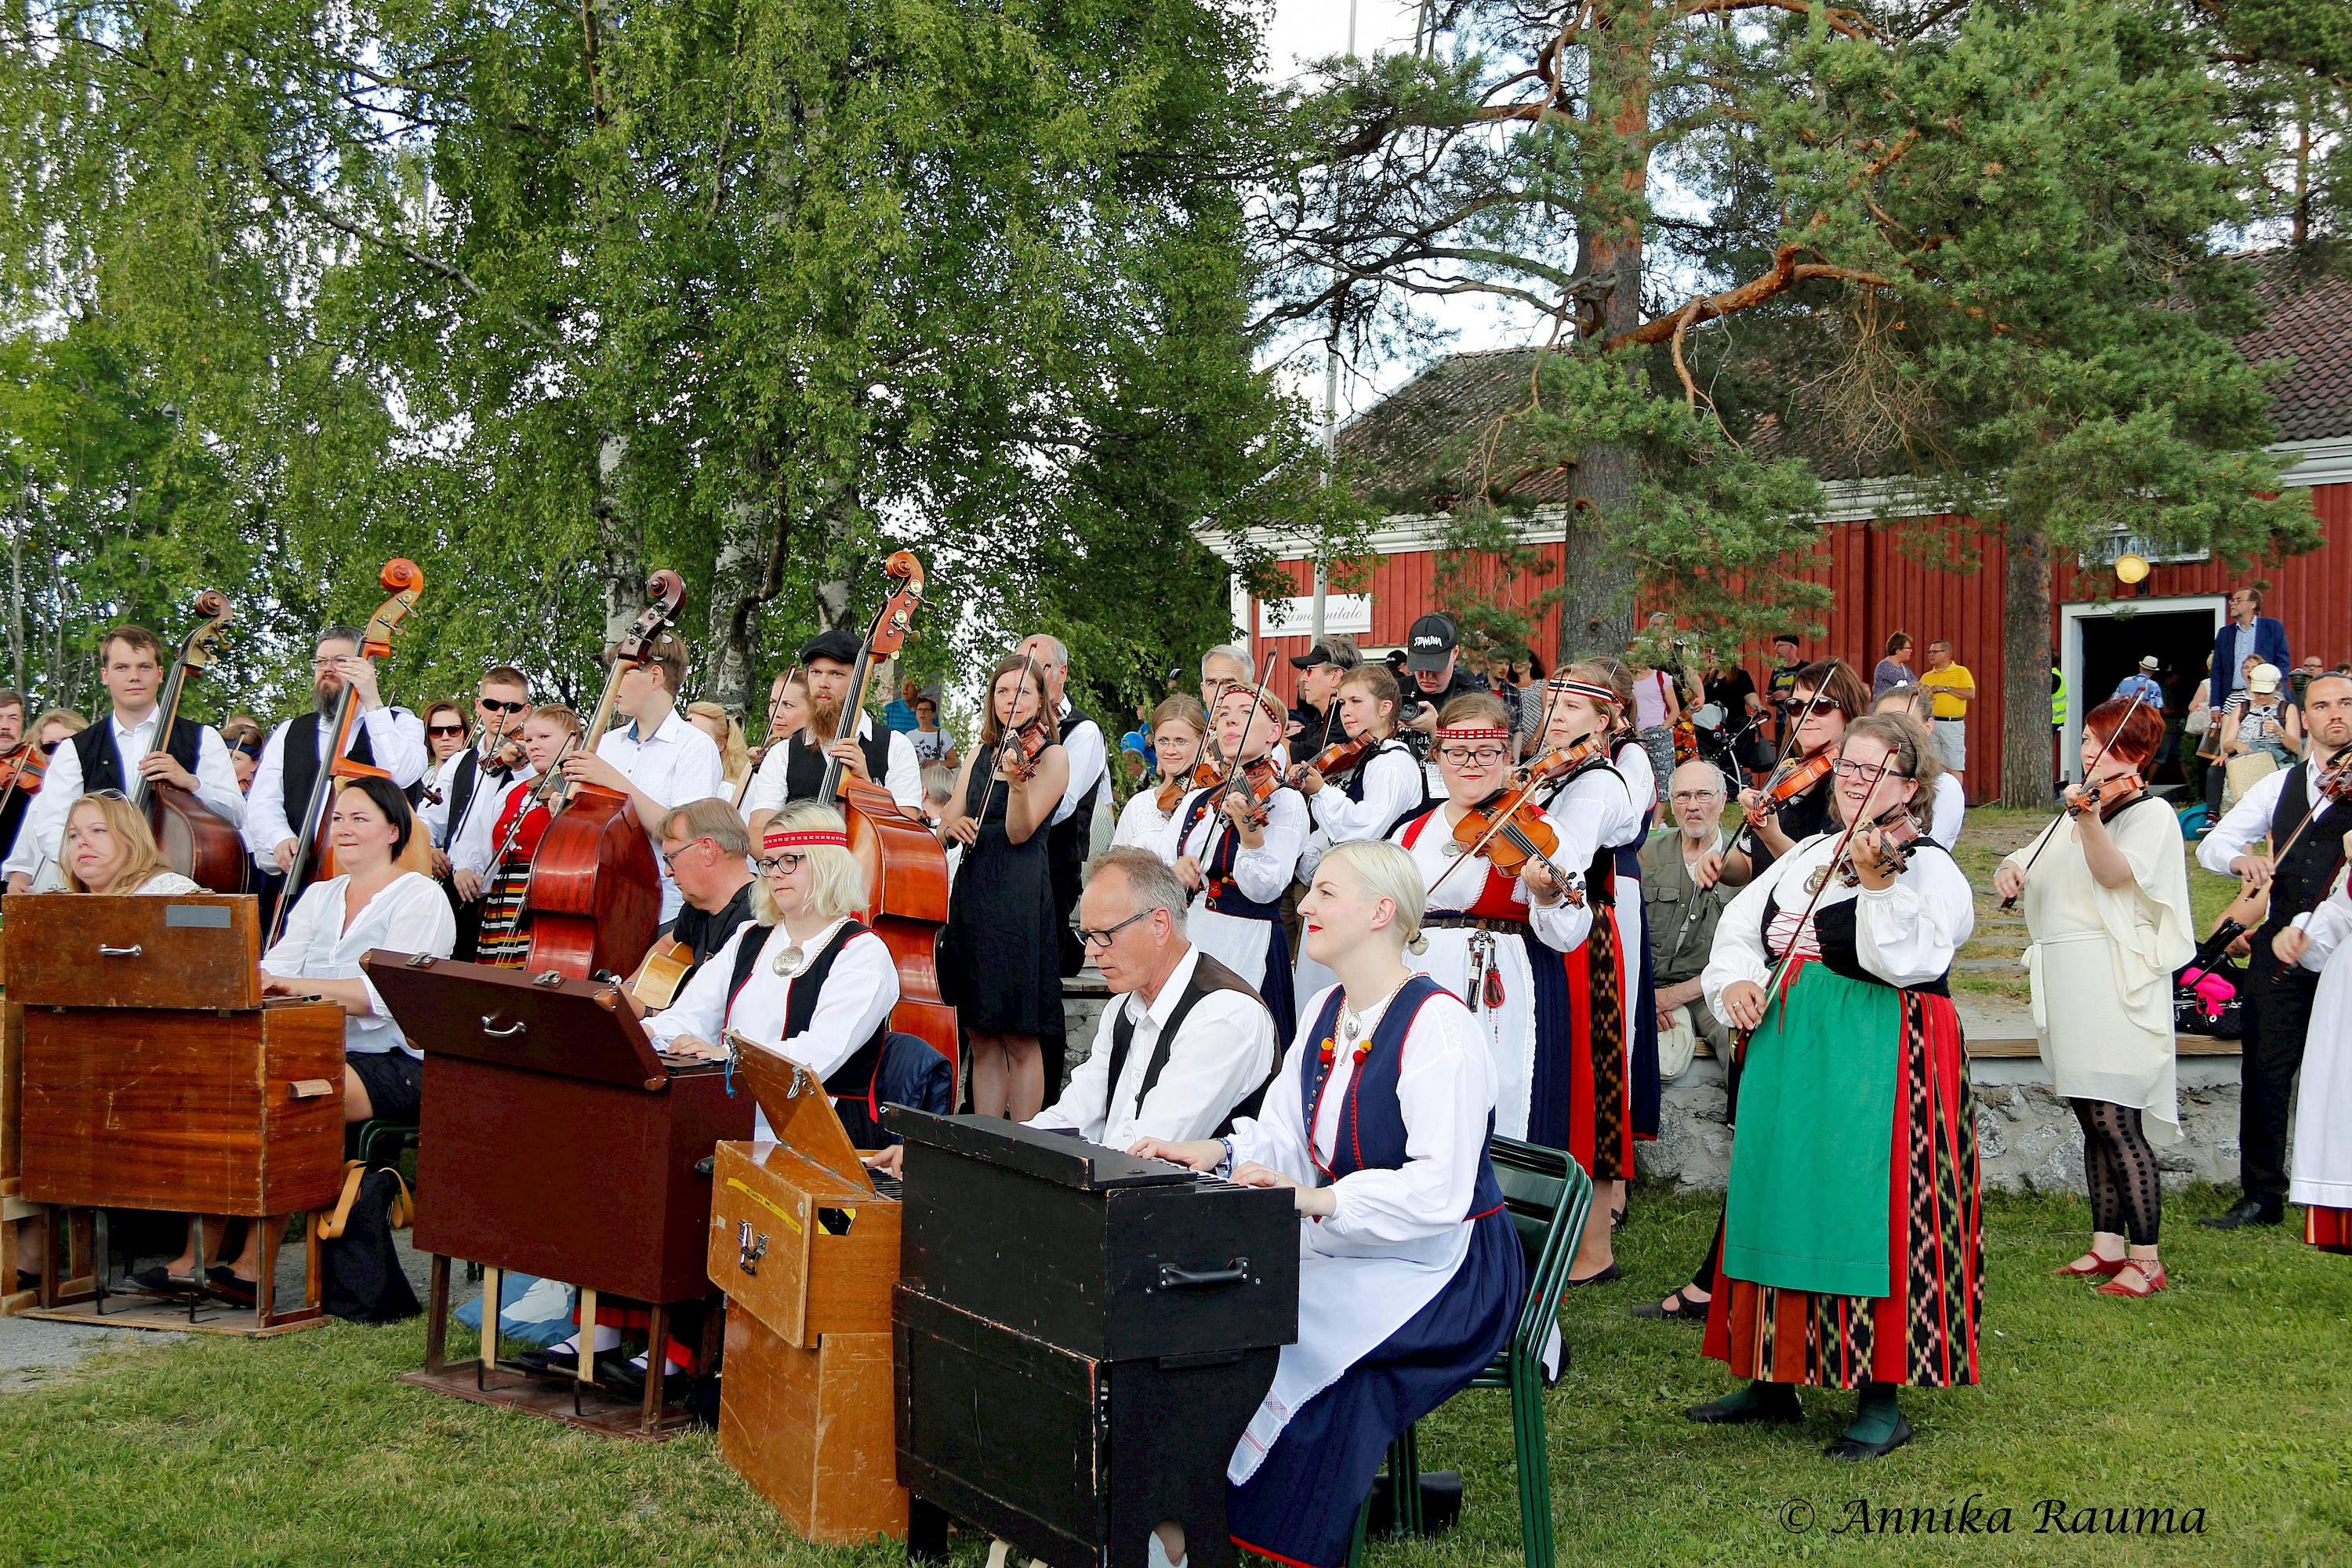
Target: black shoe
x,y
1605,1277
1676,1308
1790,1411
225,1284
1854,1451
548,1364
164,1282
2246,1211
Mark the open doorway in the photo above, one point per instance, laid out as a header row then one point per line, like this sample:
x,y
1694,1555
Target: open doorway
x,y
2102,643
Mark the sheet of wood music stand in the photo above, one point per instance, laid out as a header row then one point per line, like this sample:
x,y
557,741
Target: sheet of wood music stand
x,y
808,1250
555,1141
154,1076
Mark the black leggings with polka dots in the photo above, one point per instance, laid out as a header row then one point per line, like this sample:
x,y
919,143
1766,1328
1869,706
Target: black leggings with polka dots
x,y
2121,1170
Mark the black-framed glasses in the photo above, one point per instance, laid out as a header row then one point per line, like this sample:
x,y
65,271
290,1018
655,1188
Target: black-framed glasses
x,y
786,863
1482,757
500,705
670,856
1852,770
1102,938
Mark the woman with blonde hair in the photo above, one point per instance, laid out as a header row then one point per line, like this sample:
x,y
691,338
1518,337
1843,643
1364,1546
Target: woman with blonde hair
x,y
734,750
1177,726
807,979
1409,1272
109,849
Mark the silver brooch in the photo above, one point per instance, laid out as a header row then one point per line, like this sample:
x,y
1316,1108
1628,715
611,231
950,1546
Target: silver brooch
x,y
791,962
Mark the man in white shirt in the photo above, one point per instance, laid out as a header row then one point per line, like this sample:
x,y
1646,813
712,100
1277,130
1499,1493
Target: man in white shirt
x,y
795,769
391,739
1069,832
467,783
121,753
1188,1045
658,758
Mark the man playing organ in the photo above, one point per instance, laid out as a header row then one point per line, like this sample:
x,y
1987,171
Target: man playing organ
x,y
115,753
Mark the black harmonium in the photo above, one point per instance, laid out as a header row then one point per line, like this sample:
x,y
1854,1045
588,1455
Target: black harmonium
x,y
1081,1337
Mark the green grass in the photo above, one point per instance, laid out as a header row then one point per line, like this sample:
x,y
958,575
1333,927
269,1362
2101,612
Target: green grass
x,y
2231,1393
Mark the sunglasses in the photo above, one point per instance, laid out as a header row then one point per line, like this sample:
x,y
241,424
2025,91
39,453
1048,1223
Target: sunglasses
x,y
500,705
445,729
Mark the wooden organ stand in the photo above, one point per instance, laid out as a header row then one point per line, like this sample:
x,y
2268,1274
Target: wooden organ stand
x,y
806,1250
1082,1337
155,1077
556,1142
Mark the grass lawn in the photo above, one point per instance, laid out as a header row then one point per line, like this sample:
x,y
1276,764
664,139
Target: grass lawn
x,y
2231,1393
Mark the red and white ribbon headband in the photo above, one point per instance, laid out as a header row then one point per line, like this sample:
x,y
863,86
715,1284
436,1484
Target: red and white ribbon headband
x,y
1266,699
1585,689
795,838
1469,733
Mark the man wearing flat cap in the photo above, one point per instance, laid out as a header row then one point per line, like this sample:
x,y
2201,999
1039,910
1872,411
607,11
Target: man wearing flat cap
x,y
1313,724
795,770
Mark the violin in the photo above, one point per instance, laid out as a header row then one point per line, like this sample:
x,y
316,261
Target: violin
x,y
1792,779
2098,797
1555,763
1255,782
1898,831
1171,792
1334,761
1017,752
21,769
1509,829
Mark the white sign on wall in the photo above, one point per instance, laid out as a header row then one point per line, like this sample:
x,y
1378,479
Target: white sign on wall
x,y
1350,613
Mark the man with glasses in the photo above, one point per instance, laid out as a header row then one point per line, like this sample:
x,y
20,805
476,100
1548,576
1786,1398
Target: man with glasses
x,y
1188,1046
391,739
116,752
501,700
706,849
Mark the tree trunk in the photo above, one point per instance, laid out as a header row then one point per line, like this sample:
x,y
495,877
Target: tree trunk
x,y
2027,756
620,545
1596,613
835,608
735,582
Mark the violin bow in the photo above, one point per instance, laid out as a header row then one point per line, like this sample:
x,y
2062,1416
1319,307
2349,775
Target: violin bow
x,y
1527,793
2309,811
2052,831
989,794
1829,874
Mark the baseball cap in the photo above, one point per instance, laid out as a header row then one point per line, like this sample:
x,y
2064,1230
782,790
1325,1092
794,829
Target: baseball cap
x,y
2147,661
2265,679
1432,639
1791,638
1319,654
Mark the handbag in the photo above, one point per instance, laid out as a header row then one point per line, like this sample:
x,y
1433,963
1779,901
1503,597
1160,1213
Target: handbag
x,y
2242,773
2210,1001
364,1282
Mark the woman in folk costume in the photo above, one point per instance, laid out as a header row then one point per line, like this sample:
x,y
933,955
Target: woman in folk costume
x,y
1371,800
490,858
1409,1271
2105,891
2321,1176
1854,1229
1588,699
1239,855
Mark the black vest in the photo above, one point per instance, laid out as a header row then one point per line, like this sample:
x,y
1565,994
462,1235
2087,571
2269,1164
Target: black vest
x,y
855,1078
2300,879
1833,927
1208,977
102,765
1353,788
805,764
299,762
1066,841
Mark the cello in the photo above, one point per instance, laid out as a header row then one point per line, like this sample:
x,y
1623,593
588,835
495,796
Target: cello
x,y
198,841
595,897
314,856
905,865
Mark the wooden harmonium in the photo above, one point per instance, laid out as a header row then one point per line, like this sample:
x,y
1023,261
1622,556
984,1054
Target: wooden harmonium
x,y
554,1139
155,1076
805,1242
1082,1337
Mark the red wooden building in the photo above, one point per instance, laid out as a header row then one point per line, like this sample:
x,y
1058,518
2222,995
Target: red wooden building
x,y
1881,584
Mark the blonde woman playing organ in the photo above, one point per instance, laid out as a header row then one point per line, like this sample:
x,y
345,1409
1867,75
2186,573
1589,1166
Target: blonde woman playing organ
x,y
805,979
1240,862
1410,1272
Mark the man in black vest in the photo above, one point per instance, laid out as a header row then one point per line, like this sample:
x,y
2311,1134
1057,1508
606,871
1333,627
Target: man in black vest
x,y
795,769
468,782
1187,1045
118,752
2278,1005
1069,837
391,739
12,735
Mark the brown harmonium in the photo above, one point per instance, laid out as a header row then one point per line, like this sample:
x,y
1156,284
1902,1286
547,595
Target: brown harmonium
x,y
806,1249
1082,1337
555,1141
155,1077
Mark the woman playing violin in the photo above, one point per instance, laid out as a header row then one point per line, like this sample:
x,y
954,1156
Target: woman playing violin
x,y
1001,956
1827,697
1853,1232
1377,784
491,858
1177,726
2106,904
1238,847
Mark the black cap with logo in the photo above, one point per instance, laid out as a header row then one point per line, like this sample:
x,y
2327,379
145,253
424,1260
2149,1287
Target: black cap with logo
x,y
1430,644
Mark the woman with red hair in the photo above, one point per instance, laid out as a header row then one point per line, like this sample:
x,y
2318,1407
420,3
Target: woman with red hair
x,y
2106,905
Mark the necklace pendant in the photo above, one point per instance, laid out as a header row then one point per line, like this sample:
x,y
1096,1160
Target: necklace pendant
x,y
1817,880
790,961
1453,849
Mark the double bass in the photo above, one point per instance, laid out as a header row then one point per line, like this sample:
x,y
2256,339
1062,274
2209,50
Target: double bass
x,y
198,841
314,855
905,865
595,897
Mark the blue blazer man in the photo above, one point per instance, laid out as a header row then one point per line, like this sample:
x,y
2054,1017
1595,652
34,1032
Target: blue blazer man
x,y
2270,645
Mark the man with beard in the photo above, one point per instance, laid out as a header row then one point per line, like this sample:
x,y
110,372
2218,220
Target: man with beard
x,y
391,739
795,769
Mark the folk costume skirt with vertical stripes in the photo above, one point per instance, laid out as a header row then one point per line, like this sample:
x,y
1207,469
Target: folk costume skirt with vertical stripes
x,y
504,939
1854,1225
1591,1115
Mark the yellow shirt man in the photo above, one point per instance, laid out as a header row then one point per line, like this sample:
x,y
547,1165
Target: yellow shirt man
x,y
1953,689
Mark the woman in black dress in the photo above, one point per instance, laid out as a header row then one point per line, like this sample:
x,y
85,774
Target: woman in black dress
x,y
1000,961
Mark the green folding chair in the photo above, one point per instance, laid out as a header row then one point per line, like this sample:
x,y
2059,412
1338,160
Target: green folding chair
x,y
1549,1196
381,1131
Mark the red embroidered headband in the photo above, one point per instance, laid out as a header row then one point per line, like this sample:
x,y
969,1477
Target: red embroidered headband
x,y
801,837
1266,699
1471,732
